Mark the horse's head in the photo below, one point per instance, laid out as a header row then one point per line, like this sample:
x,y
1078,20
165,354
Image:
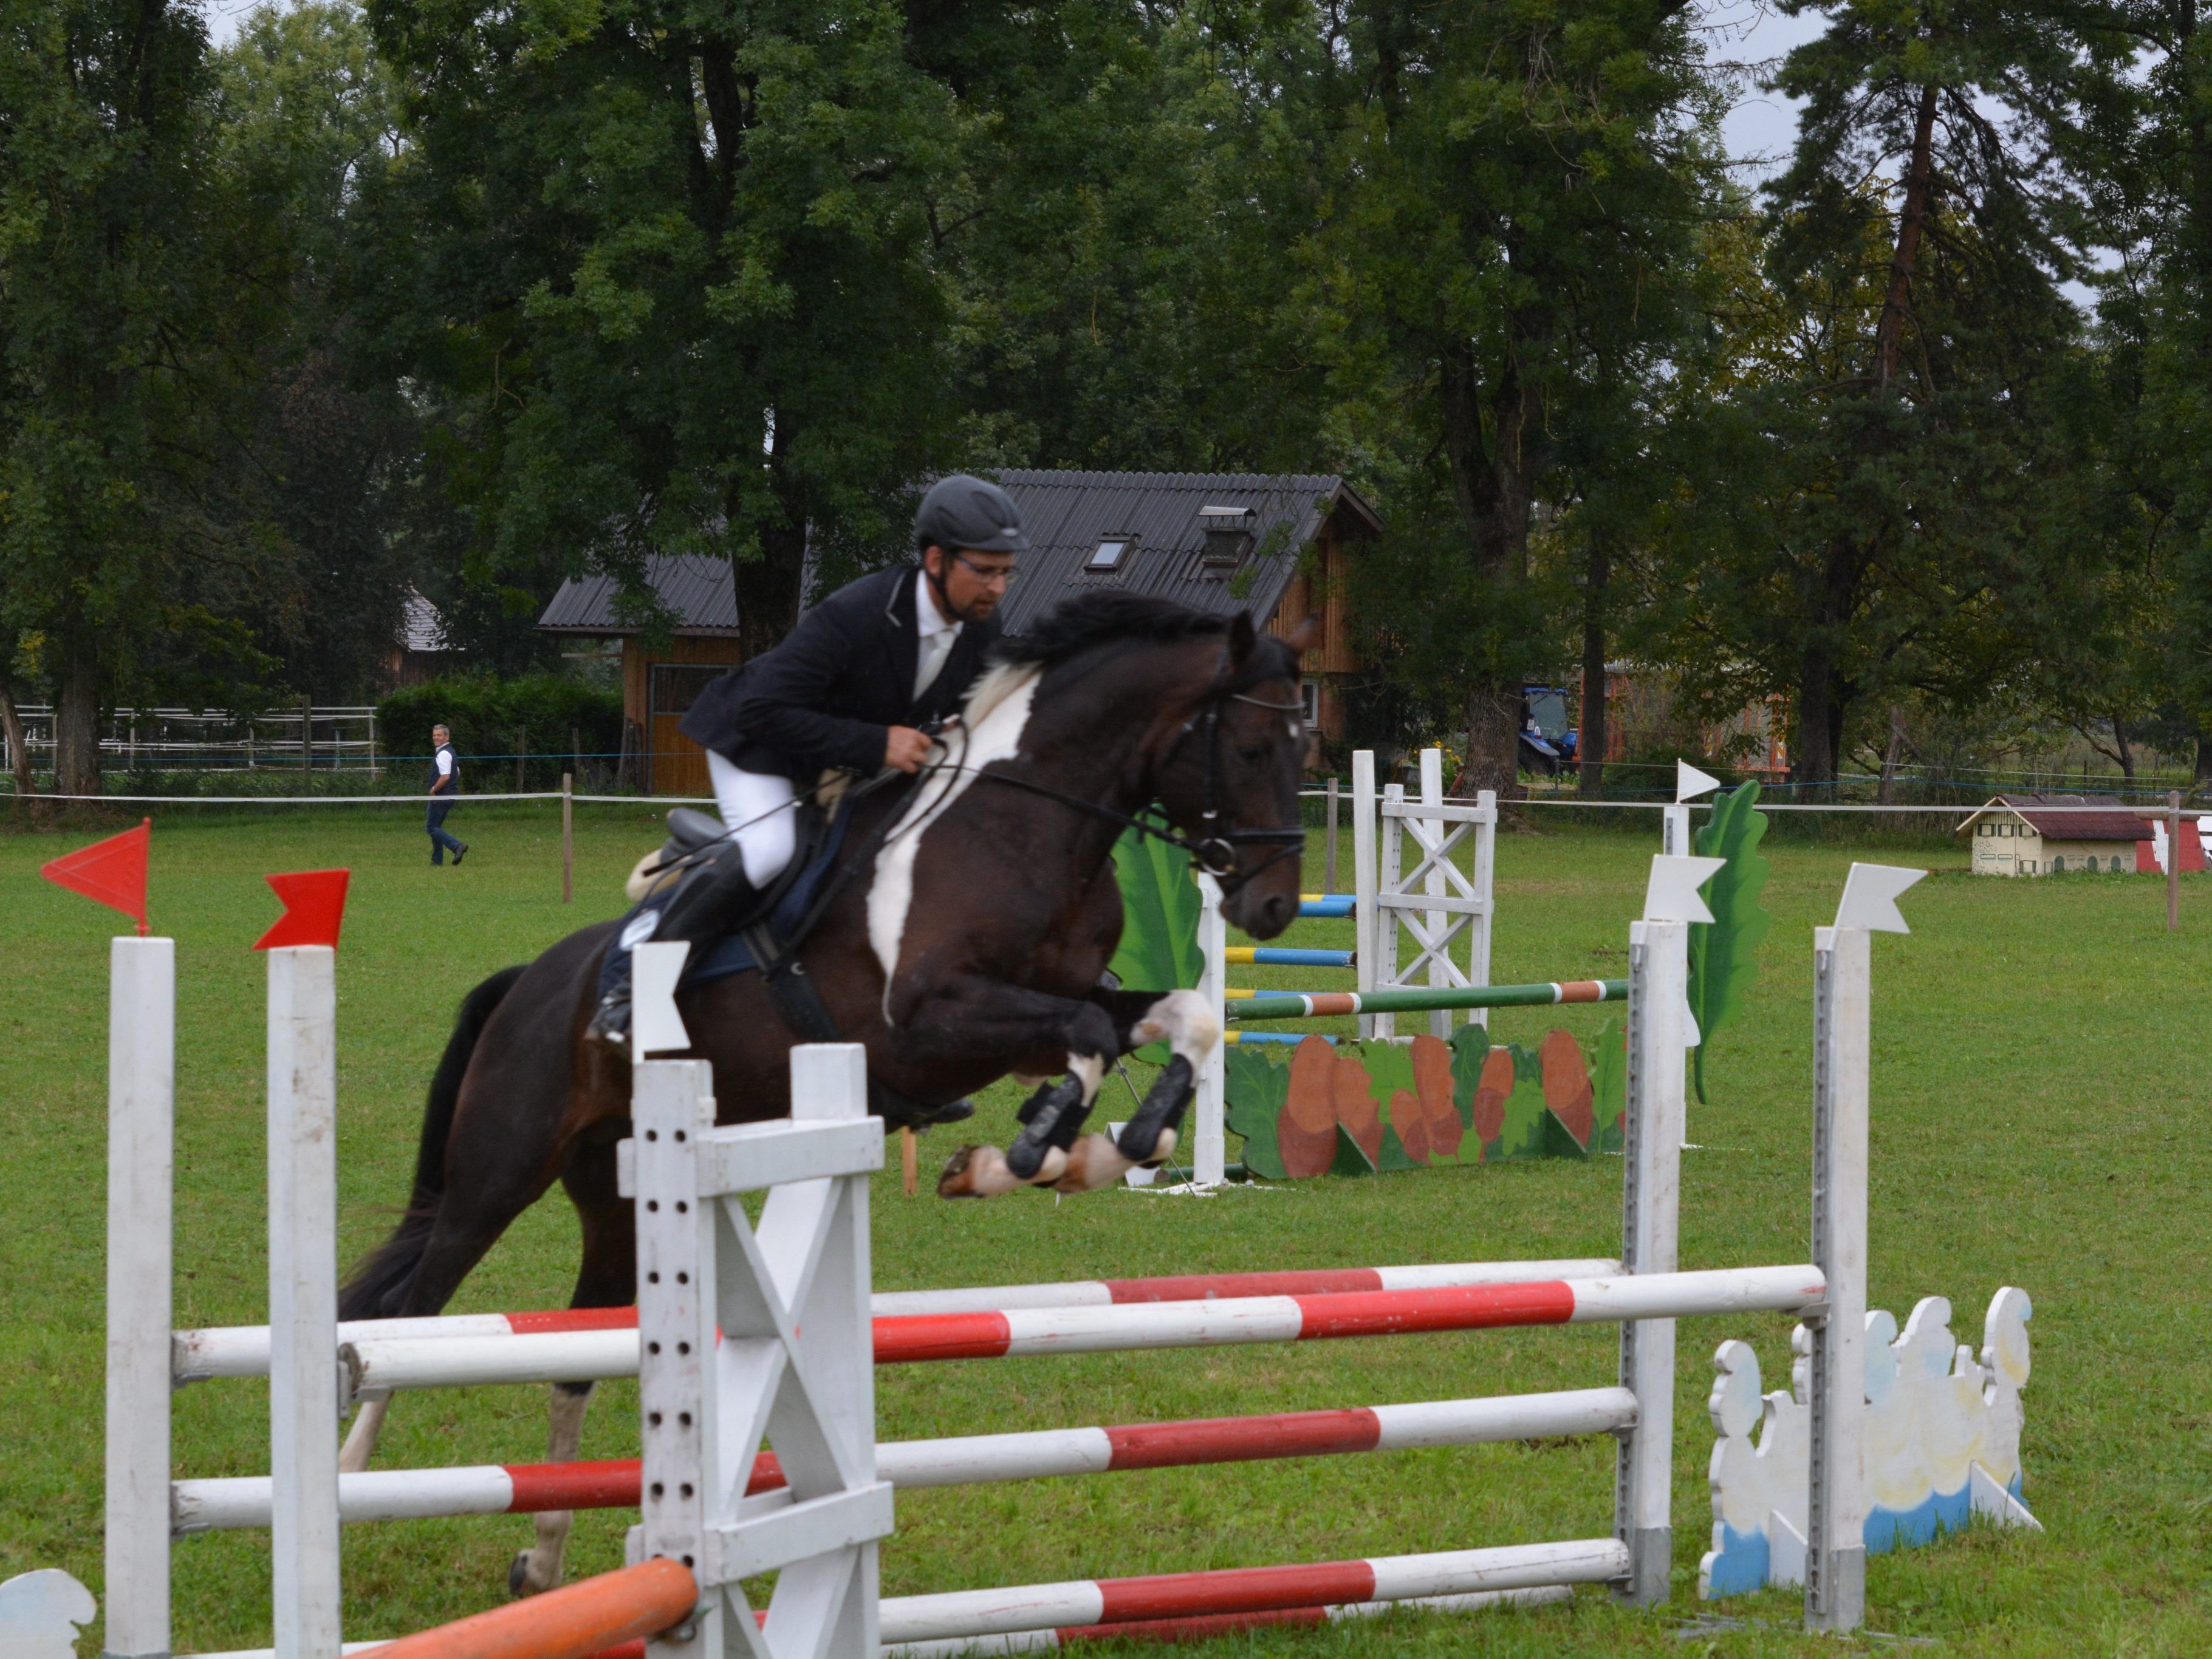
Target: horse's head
x,y
1230,781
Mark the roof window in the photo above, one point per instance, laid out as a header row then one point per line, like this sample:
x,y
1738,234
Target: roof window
x,y
1228,537
1113,547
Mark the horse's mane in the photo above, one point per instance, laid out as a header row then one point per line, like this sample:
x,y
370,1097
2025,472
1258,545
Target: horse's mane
x,y
1105,618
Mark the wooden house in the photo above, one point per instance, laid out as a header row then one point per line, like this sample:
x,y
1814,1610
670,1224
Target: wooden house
x,y
660,682
2020,836
1271,546
418,648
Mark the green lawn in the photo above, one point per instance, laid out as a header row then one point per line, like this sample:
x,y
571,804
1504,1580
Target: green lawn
x,y
2037,1055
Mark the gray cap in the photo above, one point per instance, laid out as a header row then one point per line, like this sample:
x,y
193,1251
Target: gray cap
x,y
961,512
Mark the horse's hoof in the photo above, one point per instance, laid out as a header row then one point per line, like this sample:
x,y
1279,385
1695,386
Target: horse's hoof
x,y
976,1172
1094,1161
955,1181
518,1576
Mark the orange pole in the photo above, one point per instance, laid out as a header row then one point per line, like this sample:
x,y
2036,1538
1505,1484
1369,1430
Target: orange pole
x,y
579,1620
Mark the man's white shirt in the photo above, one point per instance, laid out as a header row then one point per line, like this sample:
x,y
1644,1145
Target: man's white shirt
x,y
937,634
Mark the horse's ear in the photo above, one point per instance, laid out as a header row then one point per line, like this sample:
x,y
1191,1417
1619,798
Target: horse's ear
x,y
1242,638
1305,635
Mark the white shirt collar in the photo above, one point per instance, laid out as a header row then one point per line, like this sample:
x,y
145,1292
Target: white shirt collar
x,y
929,621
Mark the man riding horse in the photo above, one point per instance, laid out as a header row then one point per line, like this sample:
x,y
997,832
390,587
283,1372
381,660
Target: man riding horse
x,y
964,910
859,685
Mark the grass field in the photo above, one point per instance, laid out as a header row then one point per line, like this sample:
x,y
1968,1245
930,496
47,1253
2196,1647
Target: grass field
x,y
2039,1103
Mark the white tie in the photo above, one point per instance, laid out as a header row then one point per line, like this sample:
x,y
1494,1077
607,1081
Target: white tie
x,y
930,660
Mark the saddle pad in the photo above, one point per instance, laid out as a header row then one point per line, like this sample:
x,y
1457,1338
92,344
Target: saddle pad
x,y
731,954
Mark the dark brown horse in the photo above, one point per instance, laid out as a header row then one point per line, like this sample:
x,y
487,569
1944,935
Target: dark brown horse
x,y
967,945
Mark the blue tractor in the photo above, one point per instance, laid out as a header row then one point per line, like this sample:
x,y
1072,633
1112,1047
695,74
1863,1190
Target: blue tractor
x,y
1547,741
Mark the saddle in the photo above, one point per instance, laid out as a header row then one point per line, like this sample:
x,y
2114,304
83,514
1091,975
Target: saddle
x,y
767,939
776,922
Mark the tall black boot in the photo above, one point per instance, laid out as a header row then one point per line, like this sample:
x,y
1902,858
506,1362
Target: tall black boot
x,y
710,899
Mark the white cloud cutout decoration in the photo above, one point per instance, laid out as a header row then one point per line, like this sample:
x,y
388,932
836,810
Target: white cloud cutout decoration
x,y
40,1612
1942,1442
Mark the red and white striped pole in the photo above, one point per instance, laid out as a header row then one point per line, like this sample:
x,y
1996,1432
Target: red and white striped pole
x,y
1118,1601
1209,1626
243,1350
532,1488
378,1365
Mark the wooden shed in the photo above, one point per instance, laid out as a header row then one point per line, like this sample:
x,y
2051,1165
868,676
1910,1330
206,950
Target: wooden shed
x,y
2020,835
660,682
1275,546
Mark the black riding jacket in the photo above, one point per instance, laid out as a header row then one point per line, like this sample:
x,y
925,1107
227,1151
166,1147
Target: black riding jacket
x,y
826,696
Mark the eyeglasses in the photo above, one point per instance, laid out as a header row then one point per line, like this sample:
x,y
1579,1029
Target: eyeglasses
x,y
999,576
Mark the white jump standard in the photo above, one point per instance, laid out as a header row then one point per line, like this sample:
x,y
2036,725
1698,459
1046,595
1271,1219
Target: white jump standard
x,y
749,1333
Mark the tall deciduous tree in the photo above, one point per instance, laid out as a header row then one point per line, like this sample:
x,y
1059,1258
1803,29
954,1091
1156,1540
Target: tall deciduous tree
x,y
673,288
1884,457
1506,256
305,131
131,323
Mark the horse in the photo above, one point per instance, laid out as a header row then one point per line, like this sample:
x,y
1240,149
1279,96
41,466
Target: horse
x,y
968,922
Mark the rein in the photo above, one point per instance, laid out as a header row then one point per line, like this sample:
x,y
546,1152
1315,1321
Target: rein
x,y
1216,850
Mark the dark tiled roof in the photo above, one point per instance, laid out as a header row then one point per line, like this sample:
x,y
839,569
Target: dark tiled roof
x,y
2117,824
1066,514
695,586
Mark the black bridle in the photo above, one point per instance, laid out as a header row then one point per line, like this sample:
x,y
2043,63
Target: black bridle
x,y
1215,849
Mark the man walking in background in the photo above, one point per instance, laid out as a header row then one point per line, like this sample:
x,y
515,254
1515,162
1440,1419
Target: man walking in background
x,y
445,786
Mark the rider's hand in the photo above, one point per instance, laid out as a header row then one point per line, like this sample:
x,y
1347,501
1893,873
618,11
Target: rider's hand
x,y
906,749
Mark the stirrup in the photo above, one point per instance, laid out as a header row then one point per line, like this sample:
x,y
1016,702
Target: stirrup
x,y
610,1023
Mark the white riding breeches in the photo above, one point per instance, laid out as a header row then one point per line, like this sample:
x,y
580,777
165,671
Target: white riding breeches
x,y
757,807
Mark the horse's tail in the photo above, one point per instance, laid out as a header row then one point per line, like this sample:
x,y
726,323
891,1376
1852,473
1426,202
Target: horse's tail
x,y
378,1281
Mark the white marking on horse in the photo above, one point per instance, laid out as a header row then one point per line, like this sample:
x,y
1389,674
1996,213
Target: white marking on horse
x,y
990,730
1184,1021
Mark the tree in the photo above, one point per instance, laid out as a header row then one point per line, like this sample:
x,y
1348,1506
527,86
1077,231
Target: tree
x,y
1884,460
673,289
305,129
2142,134
130,330
1504,259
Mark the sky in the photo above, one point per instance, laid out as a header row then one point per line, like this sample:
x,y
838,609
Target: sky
x,y
1748,33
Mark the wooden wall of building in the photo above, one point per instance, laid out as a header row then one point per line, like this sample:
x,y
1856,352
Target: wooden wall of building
x,y
1320,587
653,704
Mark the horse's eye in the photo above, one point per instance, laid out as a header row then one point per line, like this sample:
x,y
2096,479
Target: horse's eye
x,y
1252,753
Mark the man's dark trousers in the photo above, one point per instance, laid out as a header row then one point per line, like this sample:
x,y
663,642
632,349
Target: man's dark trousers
x,y
440,841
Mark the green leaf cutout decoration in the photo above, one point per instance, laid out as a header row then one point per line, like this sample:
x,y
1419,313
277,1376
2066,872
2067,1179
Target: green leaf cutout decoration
x,y
1159,916
1724,952
1256,1089
1159,922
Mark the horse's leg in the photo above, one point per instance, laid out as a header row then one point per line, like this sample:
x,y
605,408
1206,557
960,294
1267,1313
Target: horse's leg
x,y
360,1439
539,1568
967,1015
607,1279
1182,1020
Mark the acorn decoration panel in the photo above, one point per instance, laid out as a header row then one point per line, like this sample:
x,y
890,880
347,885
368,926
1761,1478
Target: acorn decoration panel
x,y
1366,1107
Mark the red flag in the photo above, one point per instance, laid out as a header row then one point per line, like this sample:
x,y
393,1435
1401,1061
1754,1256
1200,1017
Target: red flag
x,y
314,906
113,872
